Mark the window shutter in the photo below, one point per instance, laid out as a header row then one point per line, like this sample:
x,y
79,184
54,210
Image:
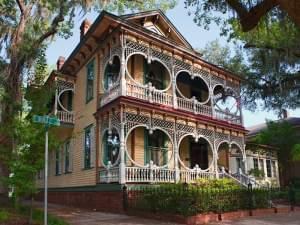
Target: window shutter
x,y
146,71
93,147
71,152
105,149
146,147
62,159
82,145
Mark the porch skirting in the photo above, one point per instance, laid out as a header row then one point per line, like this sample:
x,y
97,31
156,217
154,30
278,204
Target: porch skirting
x,y
105,197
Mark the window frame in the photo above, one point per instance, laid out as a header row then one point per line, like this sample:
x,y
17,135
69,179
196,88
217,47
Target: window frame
x,y
67,156
85,164
90,67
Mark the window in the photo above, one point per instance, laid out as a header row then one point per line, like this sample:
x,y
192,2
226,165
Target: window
x,y
156,148
240,164
255,163
67,156
90,81
87,147
262,164
111,145
274,169
269,169
57,162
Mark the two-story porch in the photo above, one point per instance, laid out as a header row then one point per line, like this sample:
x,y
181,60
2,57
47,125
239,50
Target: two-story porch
x,y
160,147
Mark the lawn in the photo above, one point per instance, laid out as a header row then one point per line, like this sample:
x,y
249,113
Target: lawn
x,y
11,216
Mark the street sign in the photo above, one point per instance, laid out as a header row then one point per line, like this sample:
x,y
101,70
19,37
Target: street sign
x,y
49,120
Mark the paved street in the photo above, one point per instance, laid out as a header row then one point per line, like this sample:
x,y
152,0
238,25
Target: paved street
x,y
81,217
279,219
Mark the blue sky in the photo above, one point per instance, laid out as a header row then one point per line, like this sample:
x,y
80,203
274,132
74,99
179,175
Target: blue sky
x,y
197,36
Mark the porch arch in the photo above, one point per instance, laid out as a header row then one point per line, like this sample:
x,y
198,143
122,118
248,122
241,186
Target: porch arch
x,y
197,138
152,129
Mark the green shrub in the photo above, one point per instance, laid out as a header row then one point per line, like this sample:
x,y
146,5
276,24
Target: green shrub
x,y
4,215
223,183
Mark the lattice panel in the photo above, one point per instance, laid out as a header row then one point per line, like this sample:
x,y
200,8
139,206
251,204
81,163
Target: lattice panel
x,y
220,137
132,47
217,80
163,57
132,120
116,121
238,140
166,125
180,65
63,85
205,75
209,134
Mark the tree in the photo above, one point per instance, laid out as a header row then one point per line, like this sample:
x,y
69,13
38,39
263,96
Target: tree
x,y
271,50
27,27
283,136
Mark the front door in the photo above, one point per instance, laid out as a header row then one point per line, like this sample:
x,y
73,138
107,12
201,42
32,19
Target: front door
x,y
199,154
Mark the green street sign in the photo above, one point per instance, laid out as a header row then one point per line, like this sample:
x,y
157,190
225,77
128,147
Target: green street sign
x,y
48,120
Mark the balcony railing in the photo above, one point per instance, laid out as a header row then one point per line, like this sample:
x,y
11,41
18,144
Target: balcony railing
x,y
152,174
150,94
65,117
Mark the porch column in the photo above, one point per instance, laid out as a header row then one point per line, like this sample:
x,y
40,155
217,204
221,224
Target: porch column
x,y
215,159
173,80
211,93
122,175
245,160
123,67
176,156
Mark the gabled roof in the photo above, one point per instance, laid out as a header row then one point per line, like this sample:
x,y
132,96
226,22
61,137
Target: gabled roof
x,y
162,22
254,130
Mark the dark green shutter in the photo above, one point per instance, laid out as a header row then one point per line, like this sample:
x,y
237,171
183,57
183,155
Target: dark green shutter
x,y
146,71
105,149
165,149
146,147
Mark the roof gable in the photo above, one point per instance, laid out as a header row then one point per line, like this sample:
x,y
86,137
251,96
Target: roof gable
x,y
157,22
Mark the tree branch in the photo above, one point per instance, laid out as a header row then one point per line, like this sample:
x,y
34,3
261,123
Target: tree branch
x,y
54,25
250,18
21,6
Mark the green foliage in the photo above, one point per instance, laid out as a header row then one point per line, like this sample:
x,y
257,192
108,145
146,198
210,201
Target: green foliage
x,y
271,54
284,137
124,5
4,215
190,200
223,183
257,173
38,216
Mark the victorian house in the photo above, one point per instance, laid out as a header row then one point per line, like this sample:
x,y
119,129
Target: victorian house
x,y
139,105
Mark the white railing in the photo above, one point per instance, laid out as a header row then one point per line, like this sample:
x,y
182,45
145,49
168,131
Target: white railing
x,y
136,91
65,117
150,94
110,95
110,175
191,176
149,175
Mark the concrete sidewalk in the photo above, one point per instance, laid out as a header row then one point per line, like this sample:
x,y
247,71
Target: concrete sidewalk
x,y
83,217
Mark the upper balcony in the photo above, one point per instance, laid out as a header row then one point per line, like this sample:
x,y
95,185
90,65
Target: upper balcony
x,y
161,79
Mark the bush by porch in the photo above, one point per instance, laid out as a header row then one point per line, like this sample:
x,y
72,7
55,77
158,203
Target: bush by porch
x,y
215,196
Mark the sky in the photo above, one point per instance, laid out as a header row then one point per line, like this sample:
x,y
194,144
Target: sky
x,y
197,36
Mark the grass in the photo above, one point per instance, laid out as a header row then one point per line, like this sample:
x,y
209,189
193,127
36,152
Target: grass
x,y
11,216
38,217
4,215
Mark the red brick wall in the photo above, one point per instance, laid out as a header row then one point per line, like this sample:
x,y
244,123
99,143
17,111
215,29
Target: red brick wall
x,y
110,201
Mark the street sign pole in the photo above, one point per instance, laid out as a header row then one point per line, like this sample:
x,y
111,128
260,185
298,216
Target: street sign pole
x,y
48,121
46,179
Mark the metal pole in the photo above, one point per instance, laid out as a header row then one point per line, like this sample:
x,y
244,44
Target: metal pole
x,y
46,178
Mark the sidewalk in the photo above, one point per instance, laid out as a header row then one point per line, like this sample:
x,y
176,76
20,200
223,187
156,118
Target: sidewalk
x,y
82,217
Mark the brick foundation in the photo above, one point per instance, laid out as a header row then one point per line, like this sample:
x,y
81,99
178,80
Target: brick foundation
x,y
109,201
